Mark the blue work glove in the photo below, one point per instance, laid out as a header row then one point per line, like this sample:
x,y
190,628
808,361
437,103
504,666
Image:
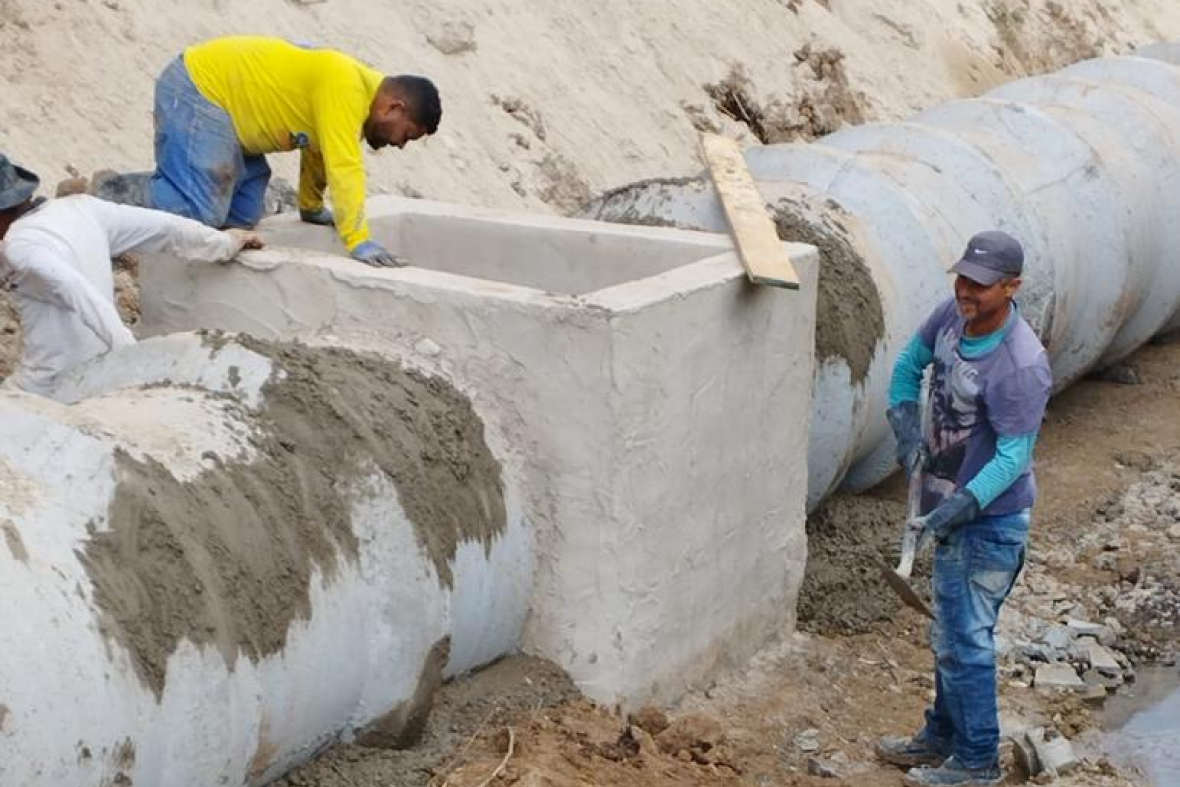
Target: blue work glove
x,y
373,254
957,510
906,421
323,217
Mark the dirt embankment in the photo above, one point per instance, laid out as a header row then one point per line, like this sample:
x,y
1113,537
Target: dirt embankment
x,y
545,104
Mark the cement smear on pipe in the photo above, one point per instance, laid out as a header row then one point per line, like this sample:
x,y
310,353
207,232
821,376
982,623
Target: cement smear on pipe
x,y
226,558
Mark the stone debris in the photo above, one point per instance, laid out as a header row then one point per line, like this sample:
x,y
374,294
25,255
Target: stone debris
x,y
1056,634
1094,694
1084,628
1055,753
1058,637
827,769
1057,676
1103,660
1093,677
1043,753
1025,754
807,741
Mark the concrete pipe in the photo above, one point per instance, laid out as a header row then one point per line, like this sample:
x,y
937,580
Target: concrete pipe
x,y
1083,166
221,555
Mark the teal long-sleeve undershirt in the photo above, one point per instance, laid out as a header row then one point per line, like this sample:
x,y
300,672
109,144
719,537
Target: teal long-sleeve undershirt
x,y
1013,453
1012,458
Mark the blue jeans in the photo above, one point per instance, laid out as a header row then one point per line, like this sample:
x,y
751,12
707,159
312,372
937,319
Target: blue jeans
x,y
202,172
975,568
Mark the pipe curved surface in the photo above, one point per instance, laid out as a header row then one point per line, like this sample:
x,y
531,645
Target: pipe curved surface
x,y
218,562
1083,166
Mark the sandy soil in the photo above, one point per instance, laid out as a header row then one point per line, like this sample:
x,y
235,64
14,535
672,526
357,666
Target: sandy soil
x,y
548,103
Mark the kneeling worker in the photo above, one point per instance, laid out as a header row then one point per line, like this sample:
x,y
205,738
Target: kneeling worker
x,y
223,105
55,258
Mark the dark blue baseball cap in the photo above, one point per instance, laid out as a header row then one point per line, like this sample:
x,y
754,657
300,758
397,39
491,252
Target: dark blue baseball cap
x,y
991,256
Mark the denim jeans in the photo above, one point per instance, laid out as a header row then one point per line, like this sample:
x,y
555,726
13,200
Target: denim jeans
x,y
202,172
975,568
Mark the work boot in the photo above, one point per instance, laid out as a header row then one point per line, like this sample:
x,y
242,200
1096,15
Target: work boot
x,y
126,189
71,186
952,774
909,752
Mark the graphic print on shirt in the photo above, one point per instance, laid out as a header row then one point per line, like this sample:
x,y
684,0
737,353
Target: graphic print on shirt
x,y
954,412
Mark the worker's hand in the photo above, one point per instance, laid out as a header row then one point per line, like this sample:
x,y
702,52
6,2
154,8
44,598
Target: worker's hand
x,y
906,421
323,217
246,239
957,510
374,254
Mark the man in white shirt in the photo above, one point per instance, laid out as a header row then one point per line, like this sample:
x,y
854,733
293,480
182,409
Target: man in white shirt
x,y
55,257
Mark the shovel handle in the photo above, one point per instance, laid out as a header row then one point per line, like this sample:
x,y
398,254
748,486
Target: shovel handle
x,y
909,536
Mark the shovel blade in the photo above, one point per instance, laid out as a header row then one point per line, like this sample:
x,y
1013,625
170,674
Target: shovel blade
x,y
902,588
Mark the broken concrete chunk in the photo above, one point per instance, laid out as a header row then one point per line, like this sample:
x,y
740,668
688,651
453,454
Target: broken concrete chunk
x,y
1025,754
1030,652
1103,660
1055,754
1057,637
1096,630
1079,653
1094,694
826,769
1093,677
1057,676
1044,754
808,740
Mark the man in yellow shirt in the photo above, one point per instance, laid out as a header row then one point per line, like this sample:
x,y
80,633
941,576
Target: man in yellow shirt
x,y
224,104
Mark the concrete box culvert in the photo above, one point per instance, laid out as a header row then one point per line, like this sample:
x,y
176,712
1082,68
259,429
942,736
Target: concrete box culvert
x,y
1080,165
628,404
214,568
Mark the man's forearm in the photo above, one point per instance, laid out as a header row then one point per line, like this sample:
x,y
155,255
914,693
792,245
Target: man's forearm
x,y
906,383
1012,458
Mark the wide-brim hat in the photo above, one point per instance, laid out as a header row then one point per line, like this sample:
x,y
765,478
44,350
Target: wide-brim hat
x,y
17,184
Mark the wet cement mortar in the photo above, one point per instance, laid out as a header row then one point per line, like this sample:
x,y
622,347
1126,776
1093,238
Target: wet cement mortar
x,y
513,688
842,591
227,559
620,206
850,321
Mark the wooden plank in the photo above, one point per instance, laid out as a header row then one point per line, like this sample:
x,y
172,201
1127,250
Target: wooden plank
x,y
761,251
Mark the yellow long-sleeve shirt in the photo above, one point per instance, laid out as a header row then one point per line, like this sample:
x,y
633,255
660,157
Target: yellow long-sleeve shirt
x,y
281,96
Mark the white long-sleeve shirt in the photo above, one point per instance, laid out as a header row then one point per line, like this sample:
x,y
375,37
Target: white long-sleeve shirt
x,y
58,260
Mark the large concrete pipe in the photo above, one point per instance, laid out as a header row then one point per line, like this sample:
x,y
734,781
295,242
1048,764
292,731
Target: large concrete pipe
x,y
1083,166
221,555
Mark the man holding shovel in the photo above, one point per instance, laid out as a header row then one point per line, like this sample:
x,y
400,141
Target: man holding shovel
x,y
988,389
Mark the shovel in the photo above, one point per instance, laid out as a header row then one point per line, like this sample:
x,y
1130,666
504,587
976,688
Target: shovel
x,y
899,578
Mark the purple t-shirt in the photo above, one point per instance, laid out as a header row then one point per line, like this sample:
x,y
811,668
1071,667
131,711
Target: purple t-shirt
x,y
973,400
